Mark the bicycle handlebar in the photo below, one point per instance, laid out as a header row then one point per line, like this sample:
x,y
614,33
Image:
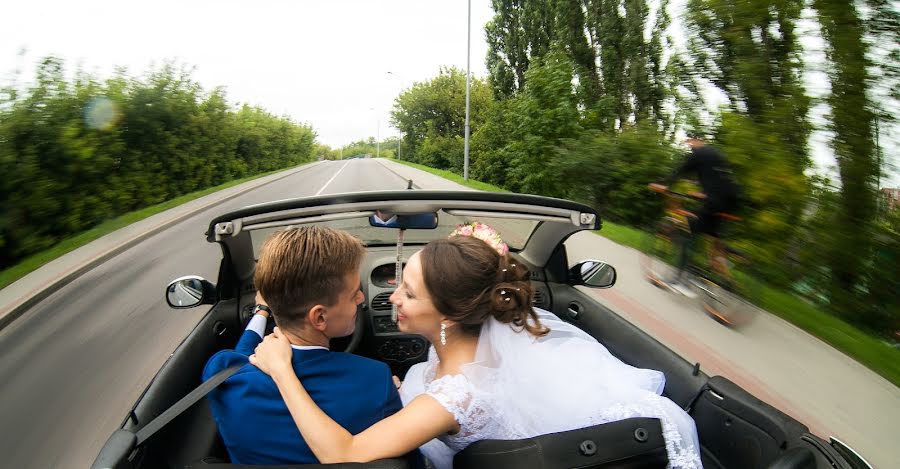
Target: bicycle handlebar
x,y
663,190
681,194
666,191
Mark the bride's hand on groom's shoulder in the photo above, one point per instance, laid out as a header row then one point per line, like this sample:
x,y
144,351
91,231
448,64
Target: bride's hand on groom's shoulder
x,y
397,381
273,354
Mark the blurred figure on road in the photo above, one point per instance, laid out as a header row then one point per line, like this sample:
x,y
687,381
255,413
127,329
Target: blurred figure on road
x,y
721,195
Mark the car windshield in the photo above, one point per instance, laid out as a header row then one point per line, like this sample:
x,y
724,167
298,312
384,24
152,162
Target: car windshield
x,y
514,232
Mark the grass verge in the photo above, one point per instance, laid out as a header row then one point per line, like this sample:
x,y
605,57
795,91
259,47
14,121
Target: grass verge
x,y
624,235
482,186
863,347
32,263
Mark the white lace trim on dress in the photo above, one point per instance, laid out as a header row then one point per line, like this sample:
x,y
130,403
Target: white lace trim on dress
x,y
456,394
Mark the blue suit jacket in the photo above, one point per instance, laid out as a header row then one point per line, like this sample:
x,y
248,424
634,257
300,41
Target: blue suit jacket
x,y
254,421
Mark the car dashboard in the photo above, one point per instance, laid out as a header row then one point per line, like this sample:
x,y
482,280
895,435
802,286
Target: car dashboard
x,y
383,341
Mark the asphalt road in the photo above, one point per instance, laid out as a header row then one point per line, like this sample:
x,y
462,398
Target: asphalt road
x,y
75,363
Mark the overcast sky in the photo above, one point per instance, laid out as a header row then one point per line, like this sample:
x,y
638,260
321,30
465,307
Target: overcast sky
x,y
322,62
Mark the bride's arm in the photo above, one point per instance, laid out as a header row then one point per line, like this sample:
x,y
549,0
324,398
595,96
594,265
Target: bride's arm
x,y
420,421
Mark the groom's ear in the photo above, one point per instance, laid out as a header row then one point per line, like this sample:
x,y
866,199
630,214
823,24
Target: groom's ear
x,y
316,317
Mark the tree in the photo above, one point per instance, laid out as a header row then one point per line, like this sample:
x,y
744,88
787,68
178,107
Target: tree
x,y
431,117
611,172
883,38
521,143
749,51
625,87
77,152
517,33
851,121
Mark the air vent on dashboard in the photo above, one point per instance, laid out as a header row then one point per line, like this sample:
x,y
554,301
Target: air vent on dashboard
x,y
381,302
539,299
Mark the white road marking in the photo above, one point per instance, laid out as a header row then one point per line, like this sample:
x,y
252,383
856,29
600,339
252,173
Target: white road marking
x,y
332,178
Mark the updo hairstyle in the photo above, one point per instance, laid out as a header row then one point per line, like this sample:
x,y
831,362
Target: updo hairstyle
x,y
469,281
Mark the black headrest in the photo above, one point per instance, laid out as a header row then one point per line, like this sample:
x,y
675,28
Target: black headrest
x,y
630,443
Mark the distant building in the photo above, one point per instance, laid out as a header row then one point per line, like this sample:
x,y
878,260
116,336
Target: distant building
x,y
891,197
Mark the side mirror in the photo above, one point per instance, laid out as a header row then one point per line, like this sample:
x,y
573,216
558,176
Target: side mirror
x,y
190,291
593,273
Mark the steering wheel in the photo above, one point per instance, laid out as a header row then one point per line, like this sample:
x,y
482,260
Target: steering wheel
x,y
357,335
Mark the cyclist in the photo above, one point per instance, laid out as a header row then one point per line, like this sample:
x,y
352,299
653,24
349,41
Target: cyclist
x,y
721,194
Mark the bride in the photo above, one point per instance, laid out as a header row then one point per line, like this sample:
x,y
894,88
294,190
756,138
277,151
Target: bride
x,y
497,369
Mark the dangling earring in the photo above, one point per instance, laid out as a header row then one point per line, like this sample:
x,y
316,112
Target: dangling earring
x,y
443,334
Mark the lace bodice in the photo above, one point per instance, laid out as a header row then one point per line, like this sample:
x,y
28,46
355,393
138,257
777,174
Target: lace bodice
x,y
469,406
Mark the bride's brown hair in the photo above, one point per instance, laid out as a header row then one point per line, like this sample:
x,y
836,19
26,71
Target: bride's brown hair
x,y
469,281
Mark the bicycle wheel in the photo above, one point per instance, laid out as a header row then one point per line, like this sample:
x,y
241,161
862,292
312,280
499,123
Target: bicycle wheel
x,y
725,300
661,252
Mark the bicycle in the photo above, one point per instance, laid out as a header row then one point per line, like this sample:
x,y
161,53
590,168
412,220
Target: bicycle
x,y
720,292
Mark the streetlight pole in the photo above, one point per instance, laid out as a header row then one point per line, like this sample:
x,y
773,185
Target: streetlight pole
x,y
377,132
468,79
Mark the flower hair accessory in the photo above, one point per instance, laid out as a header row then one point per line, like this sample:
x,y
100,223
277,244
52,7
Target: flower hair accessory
x,y
484,233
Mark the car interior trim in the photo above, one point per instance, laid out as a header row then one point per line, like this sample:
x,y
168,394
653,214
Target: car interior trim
x,y
511,216
312,219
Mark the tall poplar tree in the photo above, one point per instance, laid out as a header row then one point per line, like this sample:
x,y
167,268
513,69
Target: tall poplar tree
x,y
853,143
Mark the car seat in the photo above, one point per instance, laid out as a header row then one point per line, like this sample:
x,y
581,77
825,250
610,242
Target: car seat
x,y
630,443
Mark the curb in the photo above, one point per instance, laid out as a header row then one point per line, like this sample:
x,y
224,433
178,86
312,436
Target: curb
x,y
414,185
26,301
453,185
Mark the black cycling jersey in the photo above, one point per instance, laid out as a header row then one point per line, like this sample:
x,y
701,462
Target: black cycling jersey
x,y
713,172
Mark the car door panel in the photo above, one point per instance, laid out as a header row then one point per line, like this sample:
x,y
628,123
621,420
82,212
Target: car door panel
x,y
192,434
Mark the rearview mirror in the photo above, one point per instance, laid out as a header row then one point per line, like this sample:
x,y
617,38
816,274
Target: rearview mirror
x,y
411,221
190,291
593,273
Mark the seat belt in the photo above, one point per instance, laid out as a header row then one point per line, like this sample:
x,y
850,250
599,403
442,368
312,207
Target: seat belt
x,y
185,403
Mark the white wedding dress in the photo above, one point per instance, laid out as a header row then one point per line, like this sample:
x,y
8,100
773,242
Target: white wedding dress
x,y
520,386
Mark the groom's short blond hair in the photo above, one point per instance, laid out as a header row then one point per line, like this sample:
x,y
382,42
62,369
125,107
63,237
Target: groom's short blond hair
x,y
301,267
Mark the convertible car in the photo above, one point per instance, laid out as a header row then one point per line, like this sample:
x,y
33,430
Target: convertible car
x,y
171,425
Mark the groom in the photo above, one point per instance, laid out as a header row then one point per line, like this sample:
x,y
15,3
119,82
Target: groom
x,y
307,278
